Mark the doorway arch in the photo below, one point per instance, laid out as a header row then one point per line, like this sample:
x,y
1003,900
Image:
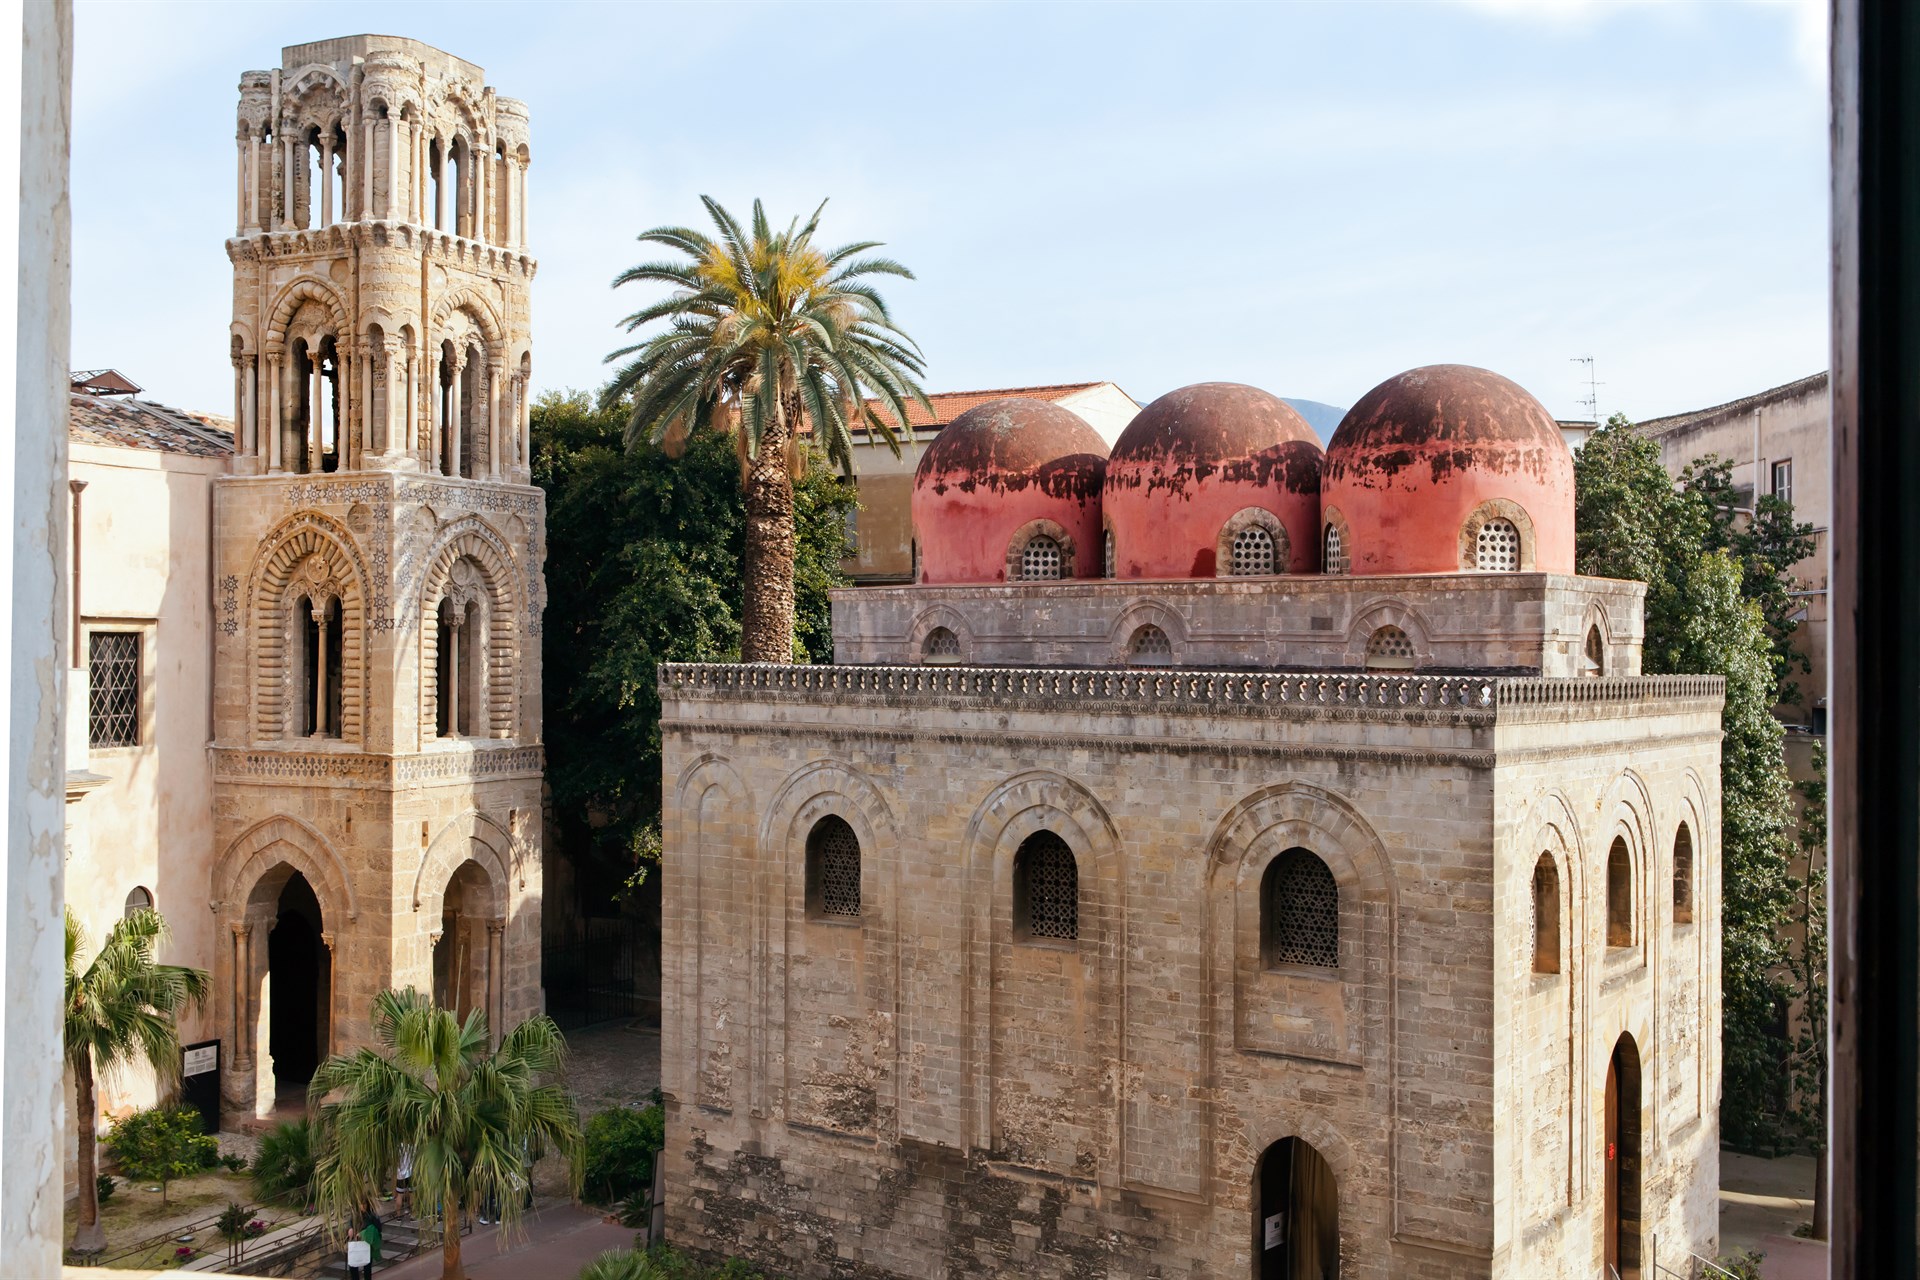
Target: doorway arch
x,y
1296,1214
1621,1180
299,978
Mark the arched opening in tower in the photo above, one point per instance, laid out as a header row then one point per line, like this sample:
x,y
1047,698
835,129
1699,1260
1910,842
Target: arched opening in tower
x,y
299,977
1296,1214
1621,1181
463,957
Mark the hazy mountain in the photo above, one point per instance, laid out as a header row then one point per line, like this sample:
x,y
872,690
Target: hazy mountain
x,y
1323,418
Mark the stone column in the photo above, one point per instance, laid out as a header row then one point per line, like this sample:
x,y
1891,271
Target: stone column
x,y
457,416
326,180
316,416
452,688
320,671
395,127
438,408
440,186
240,187
252,213
496,371
346,439
510,234
523,208
496,987
286,182
273,410
250,409
368,135
242,996
327,1049
240,406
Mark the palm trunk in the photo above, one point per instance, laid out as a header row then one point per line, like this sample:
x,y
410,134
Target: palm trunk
x,y
766,617
450,1268
88,1235
1820,1194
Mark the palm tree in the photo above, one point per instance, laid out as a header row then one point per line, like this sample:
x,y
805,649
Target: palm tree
x,y
470,1115
765,331
121,1009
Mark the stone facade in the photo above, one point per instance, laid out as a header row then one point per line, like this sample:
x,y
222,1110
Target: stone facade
x,y
376,561
1306,919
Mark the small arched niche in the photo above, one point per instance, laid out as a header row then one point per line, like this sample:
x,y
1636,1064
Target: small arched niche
x,y
1546,915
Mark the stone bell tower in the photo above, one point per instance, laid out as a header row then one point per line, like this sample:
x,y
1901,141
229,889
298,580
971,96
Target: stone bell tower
x,y
377,561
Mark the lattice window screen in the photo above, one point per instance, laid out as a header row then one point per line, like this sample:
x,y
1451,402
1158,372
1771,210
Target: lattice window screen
x,y
1252,553
113,698
835,854
942,645
1040,559
1106,555
1052,887
1498,546
1150,647
1389,648
1334,560
1302,911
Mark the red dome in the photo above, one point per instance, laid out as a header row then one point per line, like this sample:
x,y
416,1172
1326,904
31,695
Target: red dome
x,y
1000,475
1428,465
1199,465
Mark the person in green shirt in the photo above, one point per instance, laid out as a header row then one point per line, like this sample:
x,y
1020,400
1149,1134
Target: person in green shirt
x,y
370,1232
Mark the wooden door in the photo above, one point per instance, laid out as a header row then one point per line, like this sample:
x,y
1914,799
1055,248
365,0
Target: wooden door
x,y
1610,1180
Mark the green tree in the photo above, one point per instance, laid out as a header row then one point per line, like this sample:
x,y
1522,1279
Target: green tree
x,y
470,1115
766,333
621,1145
161,1143
119,1009
283,1165
645,548
1632,520
1807,963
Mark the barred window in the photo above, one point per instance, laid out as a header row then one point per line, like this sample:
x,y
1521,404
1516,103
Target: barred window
x,y
1333,557
1619,894
833,869
1252,553
113,696
1106,556
1150,647
1389,649
1683,876
1046,889
1498,546
138,900
1040,559
1299,912
942,646
1594,663
1546,915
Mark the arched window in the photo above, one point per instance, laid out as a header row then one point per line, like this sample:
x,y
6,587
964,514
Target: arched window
x,y
1389,649
1619,894
1299,912
1040,559
138,900
941,647
1106,555
1497,548
1046,889
1149,647
1546,915
319,630
1593,663
1252,553
1683,876
1333,554
458,669
833,870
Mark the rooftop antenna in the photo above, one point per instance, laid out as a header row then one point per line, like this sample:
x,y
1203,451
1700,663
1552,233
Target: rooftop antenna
x,y
1592,400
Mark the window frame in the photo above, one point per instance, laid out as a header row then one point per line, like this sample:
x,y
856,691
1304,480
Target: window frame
x,y
1022,895
1546,923
1272,944
144,631
817,910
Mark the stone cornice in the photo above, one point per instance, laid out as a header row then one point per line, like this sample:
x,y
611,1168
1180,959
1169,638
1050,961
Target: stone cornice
x,y
293,767
323,243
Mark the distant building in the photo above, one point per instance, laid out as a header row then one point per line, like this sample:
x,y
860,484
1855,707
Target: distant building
x,y
882,531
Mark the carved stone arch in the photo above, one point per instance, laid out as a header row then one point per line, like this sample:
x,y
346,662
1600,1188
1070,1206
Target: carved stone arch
x,y
312,553
1333,520
1299,814
472,541
257,851
1498,509
305,79
708,834
1627,812
242,333
1252,518
1017,546
1388,612
932,619
296,295
470,836
475,306
1145,613
1016,809
380,318
1324,1137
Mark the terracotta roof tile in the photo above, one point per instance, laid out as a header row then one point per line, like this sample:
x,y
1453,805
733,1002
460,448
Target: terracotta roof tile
x,y
127,423
948,405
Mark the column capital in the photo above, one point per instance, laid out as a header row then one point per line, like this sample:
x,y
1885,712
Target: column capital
x,y
326,936
242,929
496,927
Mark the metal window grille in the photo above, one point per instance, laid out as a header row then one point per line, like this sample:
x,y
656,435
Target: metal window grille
x,y
1040,559
1335,558
942,643
1150,647
1389,647
1052,884
1302,910
113,701
1106,555
836,867
1498,546
1252,552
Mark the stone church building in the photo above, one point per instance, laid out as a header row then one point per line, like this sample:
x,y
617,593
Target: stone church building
x,y
310,641
1224,859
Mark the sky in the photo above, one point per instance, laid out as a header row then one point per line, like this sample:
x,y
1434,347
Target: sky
x,y
1306,197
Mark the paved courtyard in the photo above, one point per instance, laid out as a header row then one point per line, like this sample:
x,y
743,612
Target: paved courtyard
x,y
1761,1202
614,1064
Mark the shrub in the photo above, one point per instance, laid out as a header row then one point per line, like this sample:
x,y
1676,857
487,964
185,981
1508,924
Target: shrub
x,y
104,1185
161,1144
233,1222
621,1145
283,1169
662,1263
234,1163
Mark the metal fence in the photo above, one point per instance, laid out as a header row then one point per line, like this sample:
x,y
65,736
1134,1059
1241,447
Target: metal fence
x,y
601,970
